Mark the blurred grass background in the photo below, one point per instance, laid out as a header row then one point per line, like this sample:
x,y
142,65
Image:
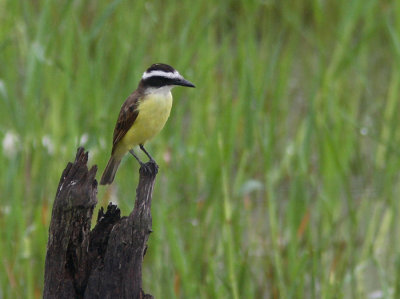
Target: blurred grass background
x,y
279,173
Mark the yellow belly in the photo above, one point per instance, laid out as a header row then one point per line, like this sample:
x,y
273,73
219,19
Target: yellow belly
x,y
154,111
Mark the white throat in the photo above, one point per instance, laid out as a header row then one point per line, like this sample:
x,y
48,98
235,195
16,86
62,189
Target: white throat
x,y
162,91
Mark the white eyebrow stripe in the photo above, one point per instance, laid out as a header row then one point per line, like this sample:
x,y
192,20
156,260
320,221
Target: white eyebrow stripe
x,y
168,75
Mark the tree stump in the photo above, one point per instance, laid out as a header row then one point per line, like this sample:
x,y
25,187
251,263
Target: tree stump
x,y
105,262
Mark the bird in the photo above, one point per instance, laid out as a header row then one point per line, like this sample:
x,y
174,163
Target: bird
x,y
143,115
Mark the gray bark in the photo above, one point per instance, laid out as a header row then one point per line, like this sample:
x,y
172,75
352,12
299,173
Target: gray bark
x,y
105,262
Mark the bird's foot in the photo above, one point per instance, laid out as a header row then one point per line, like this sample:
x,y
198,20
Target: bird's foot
x,y
149,169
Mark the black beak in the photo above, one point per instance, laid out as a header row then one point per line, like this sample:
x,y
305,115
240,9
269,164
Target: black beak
x,y
183,82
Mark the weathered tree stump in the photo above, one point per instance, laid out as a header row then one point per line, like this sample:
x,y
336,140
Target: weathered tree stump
x,y
105,262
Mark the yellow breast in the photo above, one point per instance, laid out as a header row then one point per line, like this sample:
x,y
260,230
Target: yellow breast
x,y
154,110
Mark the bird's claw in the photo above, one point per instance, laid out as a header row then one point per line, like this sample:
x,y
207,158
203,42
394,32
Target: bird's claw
x,y
149,169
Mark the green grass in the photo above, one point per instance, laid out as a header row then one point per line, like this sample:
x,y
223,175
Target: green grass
x,y
279,174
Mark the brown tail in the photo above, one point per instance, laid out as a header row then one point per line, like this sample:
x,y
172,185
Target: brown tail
x,y
109,172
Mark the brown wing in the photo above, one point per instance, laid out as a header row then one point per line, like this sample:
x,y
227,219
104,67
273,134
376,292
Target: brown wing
x,y
126,118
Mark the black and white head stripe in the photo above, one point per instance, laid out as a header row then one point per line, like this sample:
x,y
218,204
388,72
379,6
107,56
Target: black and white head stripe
x,y
167,75
160,74
161,70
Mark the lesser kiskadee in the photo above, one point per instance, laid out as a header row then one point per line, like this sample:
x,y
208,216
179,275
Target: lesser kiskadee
x,y
143,115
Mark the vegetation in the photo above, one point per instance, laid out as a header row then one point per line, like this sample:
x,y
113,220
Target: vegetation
x,y
279,174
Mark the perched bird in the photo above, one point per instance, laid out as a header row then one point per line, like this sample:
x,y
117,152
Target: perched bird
x,y
143,115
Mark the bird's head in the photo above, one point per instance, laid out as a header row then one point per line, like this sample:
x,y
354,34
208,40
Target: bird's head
x,y
161,75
